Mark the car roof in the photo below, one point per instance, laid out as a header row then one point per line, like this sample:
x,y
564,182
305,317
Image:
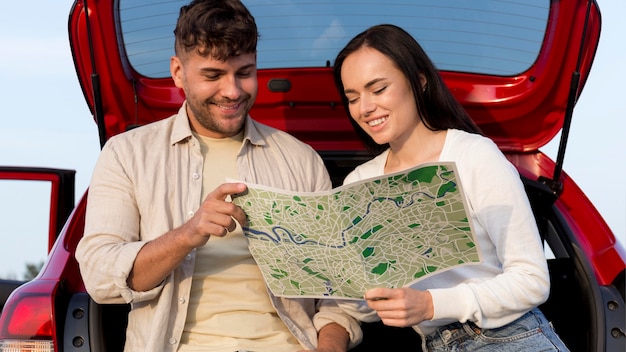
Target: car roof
x,y
510,64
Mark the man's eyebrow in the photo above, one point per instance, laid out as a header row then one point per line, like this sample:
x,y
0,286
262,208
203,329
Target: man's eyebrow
x,y
219,70
211,70
367,85
247,67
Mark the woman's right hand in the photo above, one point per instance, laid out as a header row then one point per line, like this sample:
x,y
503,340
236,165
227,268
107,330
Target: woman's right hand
x,y
400,307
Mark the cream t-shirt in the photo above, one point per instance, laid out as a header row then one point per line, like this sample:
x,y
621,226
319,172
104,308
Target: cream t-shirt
x,y
229,307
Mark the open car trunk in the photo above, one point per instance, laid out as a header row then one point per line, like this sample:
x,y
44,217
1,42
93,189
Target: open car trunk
x,y
517,68
576,305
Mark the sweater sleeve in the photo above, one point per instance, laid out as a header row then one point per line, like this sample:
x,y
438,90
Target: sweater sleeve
x,y
509,242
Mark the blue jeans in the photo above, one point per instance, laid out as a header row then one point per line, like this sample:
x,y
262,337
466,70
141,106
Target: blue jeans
x,y
530,333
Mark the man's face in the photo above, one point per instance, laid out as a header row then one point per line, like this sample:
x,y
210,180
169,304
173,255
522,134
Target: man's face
x,y
219,93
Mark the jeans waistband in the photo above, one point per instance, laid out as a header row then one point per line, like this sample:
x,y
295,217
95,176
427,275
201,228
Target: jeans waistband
x,y
450,333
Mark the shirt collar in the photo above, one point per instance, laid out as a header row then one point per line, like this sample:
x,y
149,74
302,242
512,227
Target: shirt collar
x,y
181,130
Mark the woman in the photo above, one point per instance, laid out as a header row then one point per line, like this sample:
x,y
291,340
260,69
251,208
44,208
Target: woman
x,y
402,110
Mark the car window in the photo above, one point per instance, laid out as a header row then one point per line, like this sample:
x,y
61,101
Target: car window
x,y
479,36
23,234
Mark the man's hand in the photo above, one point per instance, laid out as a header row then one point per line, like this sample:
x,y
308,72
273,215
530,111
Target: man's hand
x,y
216,216
331,338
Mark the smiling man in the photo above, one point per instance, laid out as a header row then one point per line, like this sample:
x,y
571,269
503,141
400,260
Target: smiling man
x,y
161,232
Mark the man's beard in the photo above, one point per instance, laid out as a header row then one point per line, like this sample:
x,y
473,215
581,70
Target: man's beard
x,y
210,121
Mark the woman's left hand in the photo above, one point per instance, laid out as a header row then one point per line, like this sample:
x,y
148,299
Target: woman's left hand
x,y
401,307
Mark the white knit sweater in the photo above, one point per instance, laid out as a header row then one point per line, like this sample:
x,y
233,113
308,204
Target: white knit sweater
x,y
513,277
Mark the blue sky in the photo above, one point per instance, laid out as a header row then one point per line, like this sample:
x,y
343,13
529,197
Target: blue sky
x,y
45,122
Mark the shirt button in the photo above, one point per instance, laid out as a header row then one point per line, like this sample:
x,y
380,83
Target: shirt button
x,y
181,300
172,341
195,176
188,257
190,214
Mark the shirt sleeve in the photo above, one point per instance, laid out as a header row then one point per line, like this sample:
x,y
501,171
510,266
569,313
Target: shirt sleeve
x,y
110,243
331,312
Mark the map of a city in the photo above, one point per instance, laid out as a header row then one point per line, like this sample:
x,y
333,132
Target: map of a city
x,y
389,231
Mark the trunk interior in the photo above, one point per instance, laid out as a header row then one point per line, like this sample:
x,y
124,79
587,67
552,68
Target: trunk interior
x,y
573,305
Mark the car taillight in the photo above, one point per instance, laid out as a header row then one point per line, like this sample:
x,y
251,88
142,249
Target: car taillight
x,y
26,324
31,317
26,346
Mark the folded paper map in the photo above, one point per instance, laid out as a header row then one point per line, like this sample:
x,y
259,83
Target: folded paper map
x,y
389,231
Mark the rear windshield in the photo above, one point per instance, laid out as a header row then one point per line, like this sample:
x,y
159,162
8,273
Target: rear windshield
x,y
474,36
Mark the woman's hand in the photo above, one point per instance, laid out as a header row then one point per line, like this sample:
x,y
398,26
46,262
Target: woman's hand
x,y
401,307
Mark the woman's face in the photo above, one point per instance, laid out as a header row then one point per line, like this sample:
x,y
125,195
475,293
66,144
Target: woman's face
x,y
380,97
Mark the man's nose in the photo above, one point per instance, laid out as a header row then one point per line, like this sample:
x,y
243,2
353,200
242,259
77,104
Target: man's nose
x,y
231,87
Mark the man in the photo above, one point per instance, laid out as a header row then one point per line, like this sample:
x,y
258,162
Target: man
x,y
160,231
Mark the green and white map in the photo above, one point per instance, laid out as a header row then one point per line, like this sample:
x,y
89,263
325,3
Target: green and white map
x,y
389,231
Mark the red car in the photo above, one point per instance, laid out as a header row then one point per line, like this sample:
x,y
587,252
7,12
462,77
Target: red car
x,y
518,69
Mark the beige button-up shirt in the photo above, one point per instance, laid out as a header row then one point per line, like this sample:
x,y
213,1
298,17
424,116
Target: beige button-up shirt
x,y
147,182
